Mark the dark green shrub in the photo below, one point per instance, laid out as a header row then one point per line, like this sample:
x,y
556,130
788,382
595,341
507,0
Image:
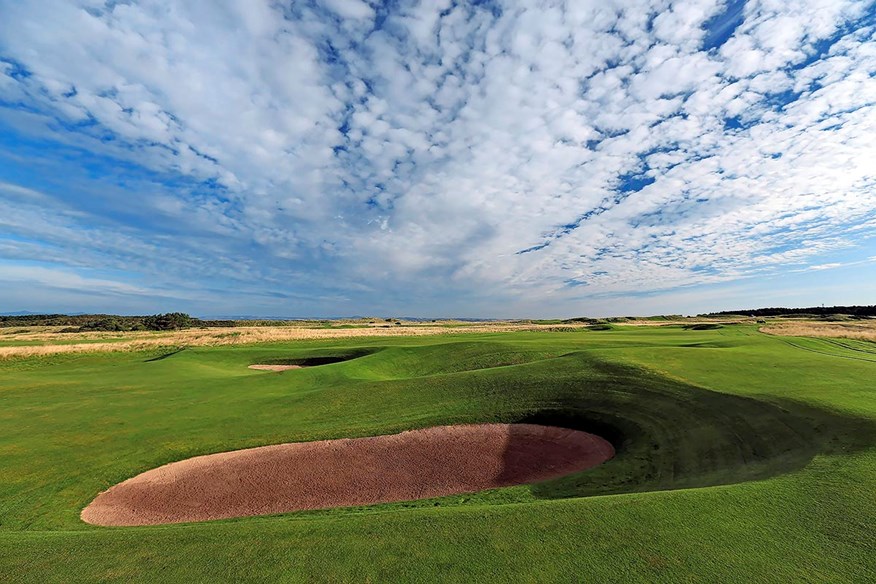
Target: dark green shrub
x,y
167,322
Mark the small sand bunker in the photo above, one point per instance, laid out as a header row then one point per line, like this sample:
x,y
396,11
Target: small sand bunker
x,y
417,464
275,367
302,362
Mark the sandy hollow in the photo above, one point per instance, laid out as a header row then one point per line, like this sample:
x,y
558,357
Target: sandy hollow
x,y
416,464
274,367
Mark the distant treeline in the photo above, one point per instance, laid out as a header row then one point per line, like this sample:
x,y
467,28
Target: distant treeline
x,y
111,322
860,311
155,322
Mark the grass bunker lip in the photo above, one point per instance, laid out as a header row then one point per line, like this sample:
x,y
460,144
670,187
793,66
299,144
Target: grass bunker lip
x,y
416,464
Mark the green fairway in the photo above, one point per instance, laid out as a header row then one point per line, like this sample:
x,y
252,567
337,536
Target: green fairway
x,y
741,457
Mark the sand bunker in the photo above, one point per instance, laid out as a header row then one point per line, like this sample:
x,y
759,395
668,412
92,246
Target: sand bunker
x,y
275,367
302,362
417,464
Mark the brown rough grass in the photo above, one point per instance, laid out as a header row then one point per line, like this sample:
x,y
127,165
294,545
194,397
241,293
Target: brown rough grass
x,y
95,342
860,330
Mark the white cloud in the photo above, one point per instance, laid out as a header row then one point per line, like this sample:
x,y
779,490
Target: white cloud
x,y
825,266
425,148
18,191
54,278
351,8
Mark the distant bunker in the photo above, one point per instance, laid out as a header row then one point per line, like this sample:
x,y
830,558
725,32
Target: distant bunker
x,y
287,364
268,367
417,464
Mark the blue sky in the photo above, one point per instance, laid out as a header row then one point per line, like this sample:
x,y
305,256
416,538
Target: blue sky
x,y
493,159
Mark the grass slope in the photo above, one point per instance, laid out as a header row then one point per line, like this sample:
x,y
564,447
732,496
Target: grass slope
x,y
780,434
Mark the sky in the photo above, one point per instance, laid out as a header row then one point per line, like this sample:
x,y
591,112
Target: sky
x,y
438,158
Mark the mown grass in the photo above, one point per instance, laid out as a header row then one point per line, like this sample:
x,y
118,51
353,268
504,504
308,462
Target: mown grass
x,y
741,458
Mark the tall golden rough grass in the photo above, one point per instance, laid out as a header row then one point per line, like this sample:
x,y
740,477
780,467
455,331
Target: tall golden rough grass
x,y
48,341
863,330
94,342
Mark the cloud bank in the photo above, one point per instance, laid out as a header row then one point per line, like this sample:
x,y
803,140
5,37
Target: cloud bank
x,y
432,157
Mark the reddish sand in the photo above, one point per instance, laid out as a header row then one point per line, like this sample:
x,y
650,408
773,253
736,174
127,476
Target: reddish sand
x,y
417,464
275,367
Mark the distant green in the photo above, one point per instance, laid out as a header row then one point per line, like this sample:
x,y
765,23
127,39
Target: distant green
x,y
741,457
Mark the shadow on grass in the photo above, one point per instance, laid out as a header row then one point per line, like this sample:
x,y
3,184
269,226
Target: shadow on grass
x,y
163,356
317,360
670,435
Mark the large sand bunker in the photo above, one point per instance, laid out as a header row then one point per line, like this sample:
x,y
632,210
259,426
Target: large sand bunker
x,y
417,464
